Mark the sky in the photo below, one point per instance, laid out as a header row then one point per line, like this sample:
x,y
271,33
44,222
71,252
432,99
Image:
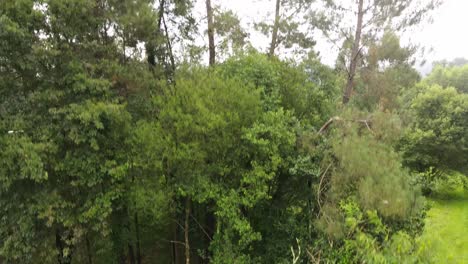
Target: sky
x,y
446,36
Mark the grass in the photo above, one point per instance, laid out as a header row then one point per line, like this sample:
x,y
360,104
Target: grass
x,y
446,231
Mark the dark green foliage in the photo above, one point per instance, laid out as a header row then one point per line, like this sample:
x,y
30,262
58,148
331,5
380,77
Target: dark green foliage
x,y
114,152
69,164
438,130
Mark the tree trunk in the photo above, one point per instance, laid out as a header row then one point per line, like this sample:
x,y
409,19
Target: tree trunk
x,y
88,250
162,4
175,251
124,58
210,223
211,44
186,230
171,71
354,55
137,234
131,254
274,35
151,46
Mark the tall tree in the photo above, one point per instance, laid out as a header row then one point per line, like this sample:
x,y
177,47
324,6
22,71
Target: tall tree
x,y
386,71
371,18
174,26
231,36
72,89
354,53
211,42
288,27
450,76
274,35
436,136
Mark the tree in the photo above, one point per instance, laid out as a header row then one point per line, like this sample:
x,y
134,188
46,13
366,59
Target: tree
x,y
286,29
197,159
371,16
211,43
437,131
75,123
455,62
360,202
232,38
118,146
385,73
289,211
449,76
174,25
274,35
306,90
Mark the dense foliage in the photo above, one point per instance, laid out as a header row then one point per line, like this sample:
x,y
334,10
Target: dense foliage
x,y
120,146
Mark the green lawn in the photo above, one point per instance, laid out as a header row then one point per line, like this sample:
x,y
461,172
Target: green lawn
x,y
446,231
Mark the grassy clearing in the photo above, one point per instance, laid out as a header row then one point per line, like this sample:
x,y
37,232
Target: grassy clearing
x,y
446,232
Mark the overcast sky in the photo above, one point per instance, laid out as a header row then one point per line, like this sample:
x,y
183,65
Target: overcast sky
x,y
447,35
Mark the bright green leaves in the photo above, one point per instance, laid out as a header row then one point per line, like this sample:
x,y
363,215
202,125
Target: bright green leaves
x,y
213,142
20,159
304,90
197,148
256,70
200,125
452,76
438,131
271,139
22,173
98,121
368,238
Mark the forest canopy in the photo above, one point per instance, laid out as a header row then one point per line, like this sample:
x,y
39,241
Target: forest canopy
x,y
123,140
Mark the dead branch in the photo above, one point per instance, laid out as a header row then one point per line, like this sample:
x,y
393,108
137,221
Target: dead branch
x,y
201,227
313,259
173,241
319,189
327,124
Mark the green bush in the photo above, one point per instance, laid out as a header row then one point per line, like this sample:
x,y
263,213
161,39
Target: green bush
x,y
450,185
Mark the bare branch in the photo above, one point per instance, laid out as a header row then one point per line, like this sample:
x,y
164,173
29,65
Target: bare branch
x,y
201,227
180,225
172,241
328,123
177,242
319,189
337,118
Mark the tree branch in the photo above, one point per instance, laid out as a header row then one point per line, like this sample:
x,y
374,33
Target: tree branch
x,y
366,122
201,227
319,189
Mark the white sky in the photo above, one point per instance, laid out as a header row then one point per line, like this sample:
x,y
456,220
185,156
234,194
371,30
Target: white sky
x,y
447,36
